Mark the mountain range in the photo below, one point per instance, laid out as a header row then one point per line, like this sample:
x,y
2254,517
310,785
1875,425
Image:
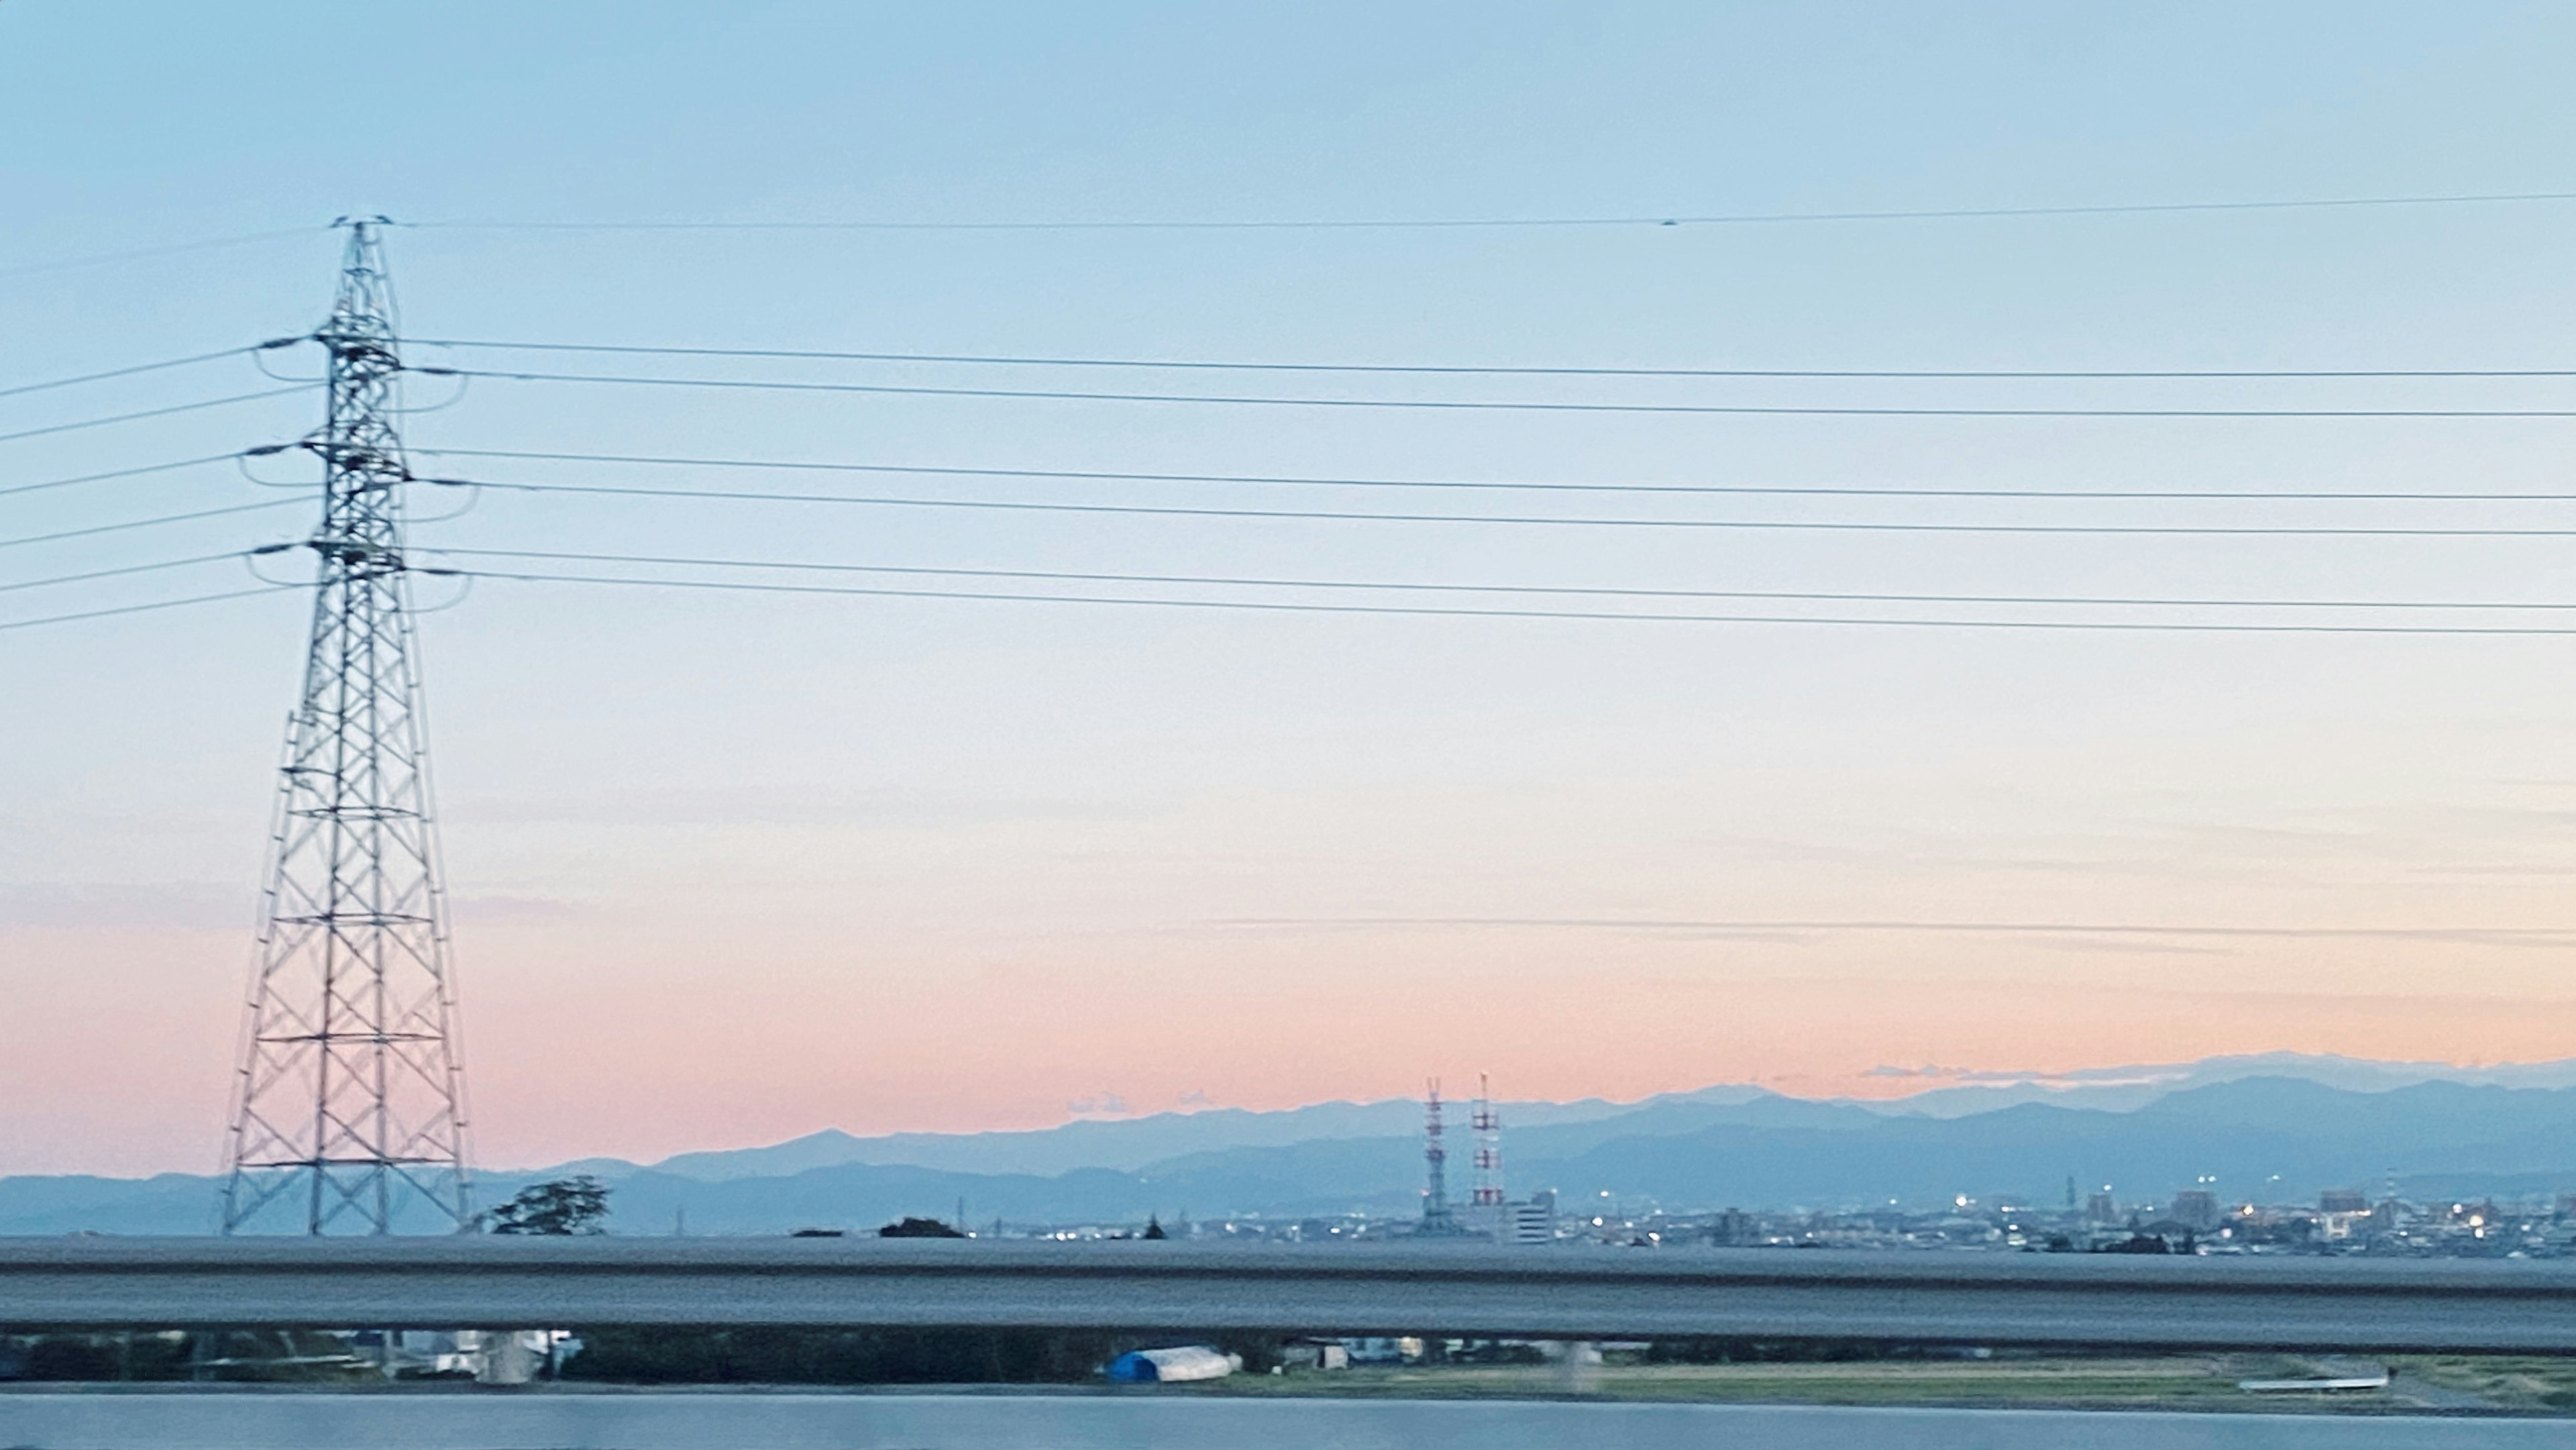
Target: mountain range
x,y
2269,1128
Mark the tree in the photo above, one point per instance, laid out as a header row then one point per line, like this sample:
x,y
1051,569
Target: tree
x,y
575,1205
1154,1227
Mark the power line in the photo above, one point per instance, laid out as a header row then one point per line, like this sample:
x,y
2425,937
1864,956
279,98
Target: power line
x,y
30,269
119,573
1497,404
1801,525
144,608
1800,595
120,473
2503,935
1793,490
1489,370
152,367
1460,612
155,412
1434,612
148,523
1542,222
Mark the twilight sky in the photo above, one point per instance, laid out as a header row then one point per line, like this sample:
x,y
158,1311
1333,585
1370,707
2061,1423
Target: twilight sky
x,y
728,868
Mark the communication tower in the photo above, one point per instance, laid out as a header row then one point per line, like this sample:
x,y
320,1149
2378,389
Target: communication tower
x,y
1489,1148
348,1109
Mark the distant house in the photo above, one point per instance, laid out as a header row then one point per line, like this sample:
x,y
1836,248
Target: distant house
x,y
1315,1354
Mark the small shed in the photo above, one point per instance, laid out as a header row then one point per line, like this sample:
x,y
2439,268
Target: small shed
x,y
1315,1354
1160,1366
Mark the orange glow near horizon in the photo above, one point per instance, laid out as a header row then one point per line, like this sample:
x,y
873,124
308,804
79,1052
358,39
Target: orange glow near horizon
x,y
654,1054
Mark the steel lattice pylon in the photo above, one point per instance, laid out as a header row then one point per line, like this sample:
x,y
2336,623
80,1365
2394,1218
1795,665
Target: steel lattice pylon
x,y
1437,1217
349,1108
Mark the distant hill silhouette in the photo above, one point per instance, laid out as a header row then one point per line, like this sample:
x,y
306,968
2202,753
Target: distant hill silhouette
x,y
2271,1138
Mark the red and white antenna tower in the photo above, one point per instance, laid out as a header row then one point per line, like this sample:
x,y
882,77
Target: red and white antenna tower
x,y
1489,1147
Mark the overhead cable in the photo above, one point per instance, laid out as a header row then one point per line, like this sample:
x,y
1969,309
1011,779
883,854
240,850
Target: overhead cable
x,y
1531,222
1491,404
1328,481
1813,525
1366,585
144,608
1464,612
150,522
64,264
152,367
121,473
156,412
1484,370
16,584
2501,935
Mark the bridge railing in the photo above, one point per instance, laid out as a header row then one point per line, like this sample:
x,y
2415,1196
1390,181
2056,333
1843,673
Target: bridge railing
x,y
2039,1300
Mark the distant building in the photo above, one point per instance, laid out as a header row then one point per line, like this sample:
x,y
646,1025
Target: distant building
x,y
1735,1227
2344,1214
1315,1354
1373,1349
1532,1221
2101,1208
2195,1209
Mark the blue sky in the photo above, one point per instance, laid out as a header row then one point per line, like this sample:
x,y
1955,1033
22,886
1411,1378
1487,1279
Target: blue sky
x,y
730,867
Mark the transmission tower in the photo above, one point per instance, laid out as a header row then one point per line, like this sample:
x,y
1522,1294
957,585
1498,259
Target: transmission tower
x,y
1438,1219
349,1107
